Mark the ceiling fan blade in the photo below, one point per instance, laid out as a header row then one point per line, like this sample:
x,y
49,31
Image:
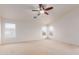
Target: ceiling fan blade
x,y
38,14
49,8
35,10
46,13
40,6
35,17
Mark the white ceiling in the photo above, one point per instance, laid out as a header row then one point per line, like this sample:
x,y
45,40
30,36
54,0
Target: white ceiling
x,y
24,11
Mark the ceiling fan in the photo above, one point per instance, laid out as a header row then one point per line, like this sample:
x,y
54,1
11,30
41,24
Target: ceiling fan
x,y
43,10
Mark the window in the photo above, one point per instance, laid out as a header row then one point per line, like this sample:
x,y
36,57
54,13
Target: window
x,y
10,30
47,32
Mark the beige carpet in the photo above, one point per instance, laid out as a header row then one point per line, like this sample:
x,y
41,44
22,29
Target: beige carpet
x,y
46,47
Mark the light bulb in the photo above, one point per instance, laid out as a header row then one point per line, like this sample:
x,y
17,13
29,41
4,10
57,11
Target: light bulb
x,y
42,11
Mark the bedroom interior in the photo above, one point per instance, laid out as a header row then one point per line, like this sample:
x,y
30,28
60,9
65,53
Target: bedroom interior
x,y
38,29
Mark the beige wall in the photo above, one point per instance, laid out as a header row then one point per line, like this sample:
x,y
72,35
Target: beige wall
x,y
67,29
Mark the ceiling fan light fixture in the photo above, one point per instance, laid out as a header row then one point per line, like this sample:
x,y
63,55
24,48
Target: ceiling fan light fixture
x,y
42,11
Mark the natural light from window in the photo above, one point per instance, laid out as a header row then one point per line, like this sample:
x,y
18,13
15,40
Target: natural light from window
x,y
10,30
